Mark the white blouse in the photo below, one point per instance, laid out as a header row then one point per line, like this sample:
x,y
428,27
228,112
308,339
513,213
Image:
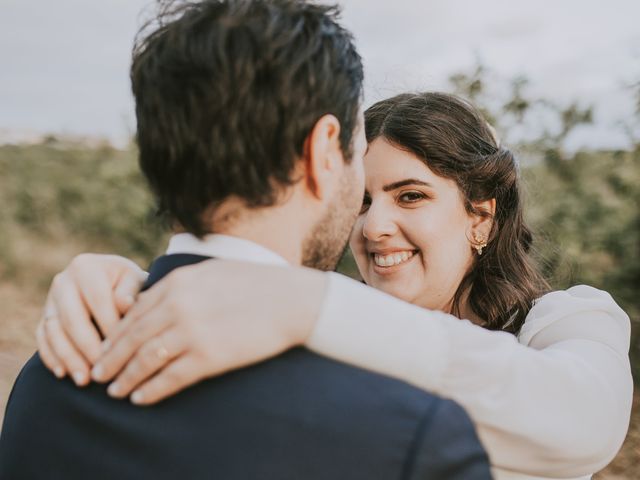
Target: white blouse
x,y
553,402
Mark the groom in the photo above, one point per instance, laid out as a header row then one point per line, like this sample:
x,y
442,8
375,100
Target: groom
x,y
249,126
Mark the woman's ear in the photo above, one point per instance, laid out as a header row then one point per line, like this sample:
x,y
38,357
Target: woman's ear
x,y
482,221
323,157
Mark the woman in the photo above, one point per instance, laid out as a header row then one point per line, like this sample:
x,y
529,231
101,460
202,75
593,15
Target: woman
x,y
545,377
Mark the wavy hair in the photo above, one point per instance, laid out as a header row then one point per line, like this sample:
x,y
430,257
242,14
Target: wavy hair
x,y
453,139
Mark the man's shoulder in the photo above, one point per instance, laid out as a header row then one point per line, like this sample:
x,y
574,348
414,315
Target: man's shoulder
x,y
435,434
37,391
33,374
300,384
307,370
299,410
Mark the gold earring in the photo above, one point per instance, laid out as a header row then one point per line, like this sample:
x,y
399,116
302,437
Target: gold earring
x,y
481,243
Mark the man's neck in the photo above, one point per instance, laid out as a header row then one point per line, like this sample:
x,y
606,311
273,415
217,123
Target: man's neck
x,y
281,229
274,238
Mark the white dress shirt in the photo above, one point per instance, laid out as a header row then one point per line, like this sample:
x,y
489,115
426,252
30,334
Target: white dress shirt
x,y
224,247
554,402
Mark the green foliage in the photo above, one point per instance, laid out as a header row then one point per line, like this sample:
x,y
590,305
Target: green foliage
x,y
96,196
585,209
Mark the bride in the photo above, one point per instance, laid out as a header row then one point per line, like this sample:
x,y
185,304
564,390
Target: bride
x,y
544,375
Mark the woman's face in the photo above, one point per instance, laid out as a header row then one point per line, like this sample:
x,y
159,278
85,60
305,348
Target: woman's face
x,y
411,239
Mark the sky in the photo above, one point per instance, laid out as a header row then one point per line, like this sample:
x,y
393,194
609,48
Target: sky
x,y
64,64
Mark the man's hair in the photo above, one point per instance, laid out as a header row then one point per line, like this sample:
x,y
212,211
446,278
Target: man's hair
x,y
226,93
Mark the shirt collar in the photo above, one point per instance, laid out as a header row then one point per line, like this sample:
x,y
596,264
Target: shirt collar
x,y
224,247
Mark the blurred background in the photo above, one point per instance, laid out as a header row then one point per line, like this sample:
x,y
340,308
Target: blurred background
x,y
560,81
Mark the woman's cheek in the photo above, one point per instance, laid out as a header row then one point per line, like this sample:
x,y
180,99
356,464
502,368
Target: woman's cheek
x,y
442,264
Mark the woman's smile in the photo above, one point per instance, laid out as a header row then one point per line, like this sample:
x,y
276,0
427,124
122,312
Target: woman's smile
x,y
388,261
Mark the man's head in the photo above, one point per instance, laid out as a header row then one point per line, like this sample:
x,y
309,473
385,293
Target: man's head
x,y
241,101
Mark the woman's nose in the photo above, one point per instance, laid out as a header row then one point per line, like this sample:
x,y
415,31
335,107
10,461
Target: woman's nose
x,y
378,222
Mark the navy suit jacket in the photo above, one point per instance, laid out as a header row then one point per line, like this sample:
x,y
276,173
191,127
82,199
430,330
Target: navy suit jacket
x,y
297,416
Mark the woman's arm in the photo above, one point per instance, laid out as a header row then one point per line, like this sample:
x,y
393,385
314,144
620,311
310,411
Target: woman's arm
x,y
557,405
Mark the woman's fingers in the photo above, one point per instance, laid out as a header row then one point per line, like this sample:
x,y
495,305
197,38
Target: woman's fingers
x,y
98,298
127,288
48,357
74,317
175,377
104,281
57,351
135,332
86,292
144,303
63,349
151,357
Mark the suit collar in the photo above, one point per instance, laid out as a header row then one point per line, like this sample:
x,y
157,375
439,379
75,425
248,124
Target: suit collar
x,y
186,249
164,265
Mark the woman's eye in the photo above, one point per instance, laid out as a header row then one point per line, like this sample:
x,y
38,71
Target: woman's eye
x,y
411,197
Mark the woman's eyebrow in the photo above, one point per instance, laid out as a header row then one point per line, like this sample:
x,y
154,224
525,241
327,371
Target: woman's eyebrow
x,y
403,183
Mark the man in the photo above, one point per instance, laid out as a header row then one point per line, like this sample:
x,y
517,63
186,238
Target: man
x,y
249,126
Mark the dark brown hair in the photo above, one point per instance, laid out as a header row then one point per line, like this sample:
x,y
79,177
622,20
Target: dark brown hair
x,y
226,93
456,142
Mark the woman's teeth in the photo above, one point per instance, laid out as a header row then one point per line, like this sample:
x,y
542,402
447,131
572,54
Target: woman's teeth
x,y
392,259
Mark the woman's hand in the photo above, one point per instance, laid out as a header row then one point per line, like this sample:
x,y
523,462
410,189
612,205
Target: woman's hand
x,y
206,319
84,304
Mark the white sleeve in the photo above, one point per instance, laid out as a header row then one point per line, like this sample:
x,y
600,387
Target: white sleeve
x,y
554,402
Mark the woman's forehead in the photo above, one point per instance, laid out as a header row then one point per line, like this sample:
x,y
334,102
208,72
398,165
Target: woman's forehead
x,y
385,163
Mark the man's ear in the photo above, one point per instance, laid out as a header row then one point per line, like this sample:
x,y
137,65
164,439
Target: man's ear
x,y
323,157
483,221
